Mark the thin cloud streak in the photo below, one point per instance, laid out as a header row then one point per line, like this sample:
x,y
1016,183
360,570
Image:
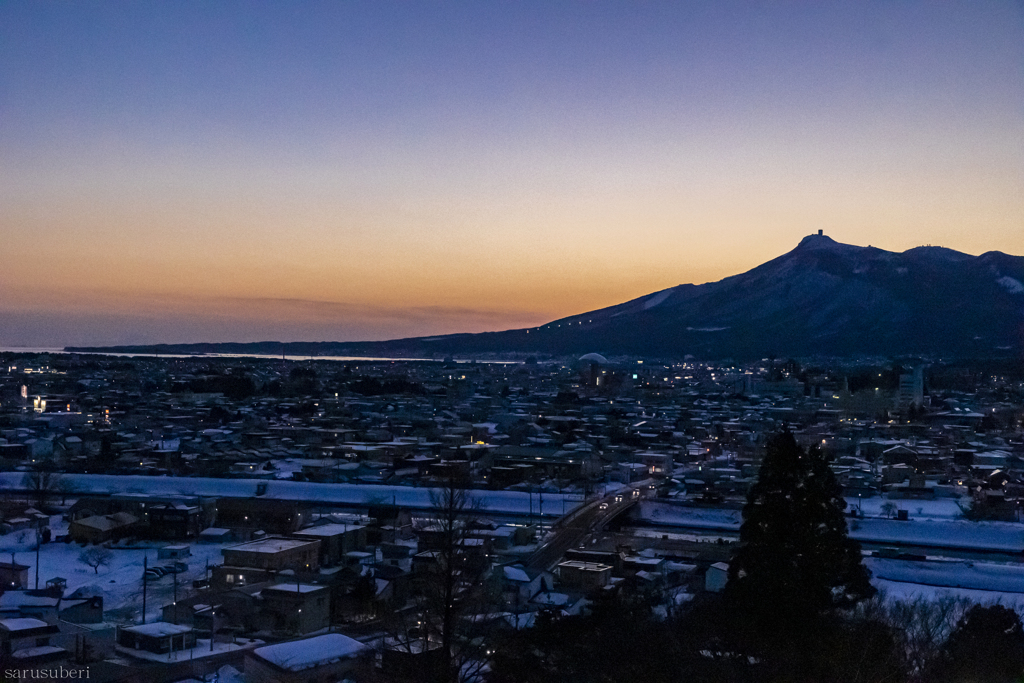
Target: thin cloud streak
x,y
128,320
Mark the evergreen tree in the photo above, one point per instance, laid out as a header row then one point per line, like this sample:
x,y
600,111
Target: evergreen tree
x,y
796,563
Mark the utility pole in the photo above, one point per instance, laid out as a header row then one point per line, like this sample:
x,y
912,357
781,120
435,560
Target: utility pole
x,y
145,567
37,557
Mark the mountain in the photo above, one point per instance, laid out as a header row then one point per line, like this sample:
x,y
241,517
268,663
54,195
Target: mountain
x,y
822,298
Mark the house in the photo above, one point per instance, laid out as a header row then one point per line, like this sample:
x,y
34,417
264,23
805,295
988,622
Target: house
x,y
633,564
501,538
610,558
218,535
87,609
900,455
297,607
175,521
472,554
159,638
184,611
262,559
716,577
24,604
426,563
519,585
393,523
396,555
657,464
173,552
238,608
103,528
335,540
585,576
272,516
275,554
321,659
26,634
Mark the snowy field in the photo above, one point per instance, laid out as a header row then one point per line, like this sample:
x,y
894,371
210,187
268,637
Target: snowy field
x,y
940,508
120,582
693,517
942,530
979,576
960,534
895,590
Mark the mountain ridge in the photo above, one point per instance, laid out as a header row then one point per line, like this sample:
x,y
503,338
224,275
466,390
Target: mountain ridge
x,y
822,298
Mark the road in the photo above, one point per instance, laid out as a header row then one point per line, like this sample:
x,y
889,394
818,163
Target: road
x,y
573,529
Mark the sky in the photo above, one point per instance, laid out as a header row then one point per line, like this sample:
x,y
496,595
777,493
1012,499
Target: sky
x,y
199,171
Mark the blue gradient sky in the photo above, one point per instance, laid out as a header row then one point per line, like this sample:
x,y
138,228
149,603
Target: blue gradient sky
x,y
196,171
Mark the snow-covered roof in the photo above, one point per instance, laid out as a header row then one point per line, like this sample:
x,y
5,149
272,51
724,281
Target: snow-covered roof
x,y
294,588
15,599
84,592
549,598
310,652
516,574
328,530
22,624
108,522
158,629
41,650
270,545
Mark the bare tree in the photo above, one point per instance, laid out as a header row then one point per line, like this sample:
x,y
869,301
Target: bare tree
x,y
924,625
96,557
41,485
447,591
64,487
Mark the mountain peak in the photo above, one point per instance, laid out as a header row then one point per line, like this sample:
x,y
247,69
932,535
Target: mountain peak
x,y
820,241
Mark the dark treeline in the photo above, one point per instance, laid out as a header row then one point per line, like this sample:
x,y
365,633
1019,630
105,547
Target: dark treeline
x,y
798,606
710,640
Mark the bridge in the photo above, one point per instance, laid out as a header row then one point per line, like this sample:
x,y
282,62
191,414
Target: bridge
x,y
569,531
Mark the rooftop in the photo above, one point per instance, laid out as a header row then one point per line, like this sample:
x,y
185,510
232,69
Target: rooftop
x,y
269,545
310,652
294,588
159,629
328,530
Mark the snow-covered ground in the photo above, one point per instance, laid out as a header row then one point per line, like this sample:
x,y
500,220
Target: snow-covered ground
x,y
993,536
120,582
942,530
693,517
510,502
940,508
692,538
896,590
983,576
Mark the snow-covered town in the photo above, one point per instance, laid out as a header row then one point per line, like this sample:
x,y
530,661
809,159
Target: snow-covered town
x,y
282,519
